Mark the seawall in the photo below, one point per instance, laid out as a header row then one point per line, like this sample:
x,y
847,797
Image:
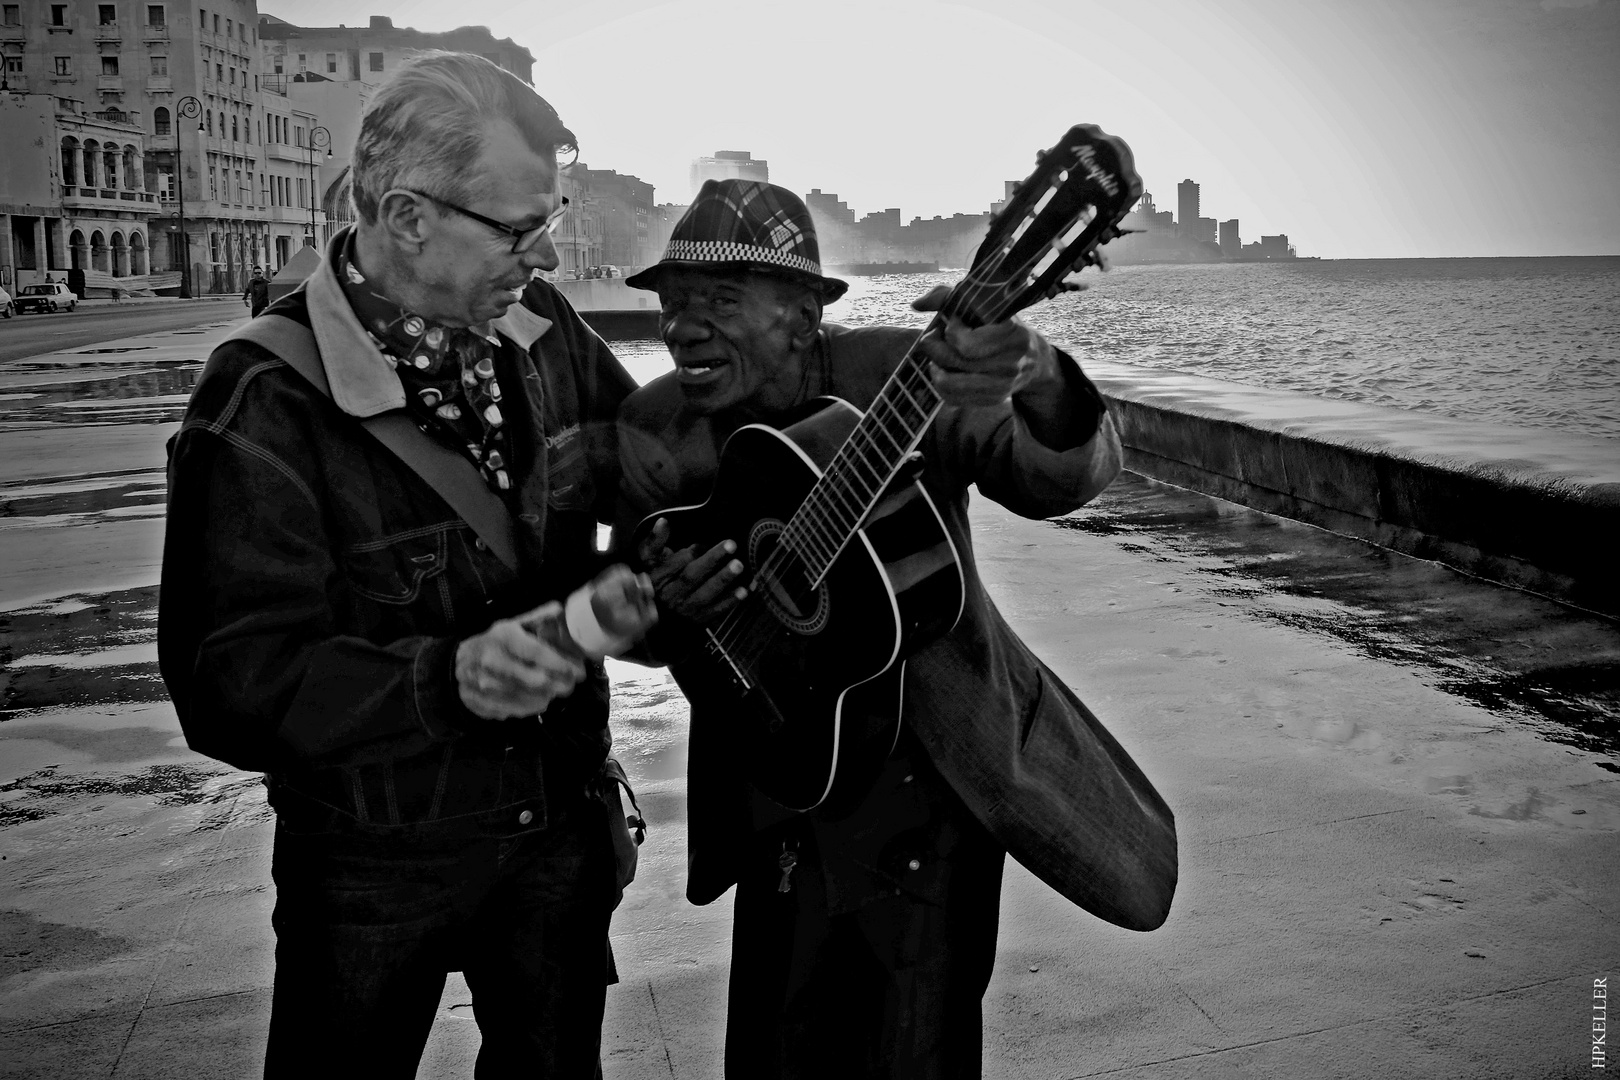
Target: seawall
x,y
1528,507
612,308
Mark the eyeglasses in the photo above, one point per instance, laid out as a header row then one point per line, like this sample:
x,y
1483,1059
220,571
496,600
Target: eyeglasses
x,y
522,239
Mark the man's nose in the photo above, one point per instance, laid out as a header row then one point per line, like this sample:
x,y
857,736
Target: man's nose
x,y
543,255
683,327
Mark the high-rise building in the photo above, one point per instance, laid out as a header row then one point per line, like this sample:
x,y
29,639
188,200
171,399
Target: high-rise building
x,y
828,207
1231,246
729,165
1187,207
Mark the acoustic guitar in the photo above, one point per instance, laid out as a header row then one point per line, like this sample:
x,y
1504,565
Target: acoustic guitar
x,y
850,568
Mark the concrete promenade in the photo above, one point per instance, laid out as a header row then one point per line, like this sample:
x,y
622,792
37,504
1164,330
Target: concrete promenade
x,y
1397,786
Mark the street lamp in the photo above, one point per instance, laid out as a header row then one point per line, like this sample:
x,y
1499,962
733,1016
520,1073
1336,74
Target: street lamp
x,y
186,108
319,139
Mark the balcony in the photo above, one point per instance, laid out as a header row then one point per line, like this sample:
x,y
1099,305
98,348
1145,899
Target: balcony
x,y
108,32
84,198
159,143
156,84
286,152
17,81
154,33
112,83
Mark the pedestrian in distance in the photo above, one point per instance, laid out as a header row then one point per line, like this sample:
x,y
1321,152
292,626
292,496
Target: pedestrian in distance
x,y
257,292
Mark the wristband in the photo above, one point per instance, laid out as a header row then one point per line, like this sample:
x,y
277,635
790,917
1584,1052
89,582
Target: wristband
x,y
587,633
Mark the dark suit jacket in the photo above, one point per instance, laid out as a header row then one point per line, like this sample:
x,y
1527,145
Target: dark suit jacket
x,y
1020,749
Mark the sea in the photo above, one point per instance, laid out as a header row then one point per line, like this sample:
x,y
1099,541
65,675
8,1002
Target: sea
x,y
1529,342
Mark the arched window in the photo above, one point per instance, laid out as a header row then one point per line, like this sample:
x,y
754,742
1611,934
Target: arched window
x,y
92,162
110,166
160,121
233,129
78,250
137,254
132,172
98,252
120,256
210,118
70,162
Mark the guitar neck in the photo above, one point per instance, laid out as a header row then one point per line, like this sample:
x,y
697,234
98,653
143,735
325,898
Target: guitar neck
x,y
857,476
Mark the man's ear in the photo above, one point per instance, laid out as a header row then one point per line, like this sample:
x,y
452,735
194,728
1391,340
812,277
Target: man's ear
x,y
807,318
401,219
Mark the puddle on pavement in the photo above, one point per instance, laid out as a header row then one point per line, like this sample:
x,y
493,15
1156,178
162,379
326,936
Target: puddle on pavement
x,y
1514,653
80,651
30,502
155,394
27,943
51,791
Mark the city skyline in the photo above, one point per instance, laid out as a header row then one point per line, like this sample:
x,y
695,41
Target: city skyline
x,y
1376,129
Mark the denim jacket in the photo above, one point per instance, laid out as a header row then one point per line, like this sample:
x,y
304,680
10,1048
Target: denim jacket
x,y
315,588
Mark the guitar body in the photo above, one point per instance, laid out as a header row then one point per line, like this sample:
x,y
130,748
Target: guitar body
x,y
809,681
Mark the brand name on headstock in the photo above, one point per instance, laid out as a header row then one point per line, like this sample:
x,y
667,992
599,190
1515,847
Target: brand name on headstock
x,y
1088,157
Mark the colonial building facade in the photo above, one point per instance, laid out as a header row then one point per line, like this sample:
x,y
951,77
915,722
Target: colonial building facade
x,y
171,146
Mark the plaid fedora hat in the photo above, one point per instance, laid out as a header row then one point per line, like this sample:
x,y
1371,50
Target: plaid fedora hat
x,y
733,224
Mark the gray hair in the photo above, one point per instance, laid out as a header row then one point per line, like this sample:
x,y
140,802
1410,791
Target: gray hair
x,y
425,126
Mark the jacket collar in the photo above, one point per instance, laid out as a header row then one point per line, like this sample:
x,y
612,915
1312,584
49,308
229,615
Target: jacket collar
x,y
362,380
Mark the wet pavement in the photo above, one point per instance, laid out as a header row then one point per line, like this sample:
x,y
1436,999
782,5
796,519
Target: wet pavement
x,y
100,320
1398,789
1545,664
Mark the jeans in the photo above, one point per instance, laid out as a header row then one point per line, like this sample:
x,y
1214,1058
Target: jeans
x,y
368,925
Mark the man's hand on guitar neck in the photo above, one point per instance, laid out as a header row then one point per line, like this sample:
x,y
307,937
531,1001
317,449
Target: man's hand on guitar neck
x,y
696,587
981,368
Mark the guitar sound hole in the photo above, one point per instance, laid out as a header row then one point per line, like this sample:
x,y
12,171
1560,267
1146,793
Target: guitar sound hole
x,y
785,587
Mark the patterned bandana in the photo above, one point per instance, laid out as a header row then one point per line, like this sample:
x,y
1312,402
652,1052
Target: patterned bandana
x,y
448,375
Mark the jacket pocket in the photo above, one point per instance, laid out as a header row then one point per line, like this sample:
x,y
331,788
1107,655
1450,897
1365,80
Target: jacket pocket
x,y
394,569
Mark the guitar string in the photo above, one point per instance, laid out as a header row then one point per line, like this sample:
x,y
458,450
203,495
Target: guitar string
x,y
743,622
815,542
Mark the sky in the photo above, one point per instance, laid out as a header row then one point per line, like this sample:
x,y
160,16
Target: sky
x,y
1360,128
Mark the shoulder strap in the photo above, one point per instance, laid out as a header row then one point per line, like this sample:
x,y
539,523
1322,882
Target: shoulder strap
x,y
445,471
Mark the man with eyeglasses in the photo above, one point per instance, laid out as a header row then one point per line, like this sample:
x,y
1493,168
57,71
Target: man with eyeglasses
x,y
374,482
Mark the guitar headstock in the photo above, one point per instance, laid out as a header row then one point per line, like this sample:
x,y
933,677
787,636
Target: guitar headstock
x,y
1069,206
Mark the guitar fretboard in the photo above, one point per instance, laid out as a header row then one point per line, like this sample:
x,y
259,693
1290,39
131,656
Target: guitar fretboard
x,y
858,474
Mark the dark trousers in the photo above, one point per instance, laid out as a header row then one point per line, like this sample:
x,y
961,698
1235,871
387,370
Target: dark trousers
x,y
889,990
367,927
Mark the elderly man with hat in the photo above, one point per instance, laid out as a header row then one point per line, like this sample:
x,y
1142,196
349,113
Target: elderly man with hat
x,y
864,936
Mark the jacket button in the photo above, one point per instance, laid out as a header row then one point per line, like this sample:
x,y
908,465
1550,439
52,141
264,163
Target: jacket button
x,y
528,816
914,864
480,545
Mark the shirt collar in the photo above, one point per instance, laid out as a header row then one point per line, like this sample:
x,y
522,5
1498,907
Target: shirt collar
x,y
363,381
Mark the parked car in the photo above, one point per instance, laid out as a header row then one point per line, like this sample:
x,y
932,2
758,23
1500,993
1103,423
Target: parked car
x,y
7,307
51,296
